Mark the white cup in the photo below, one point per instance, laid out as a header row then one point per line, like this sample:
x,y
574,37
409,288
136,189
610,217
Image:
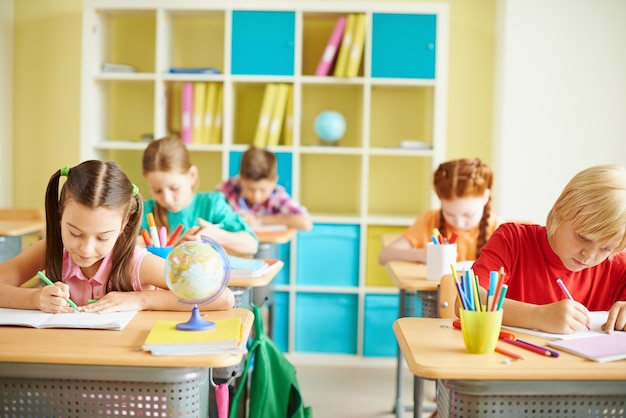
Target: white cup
x,y
438,260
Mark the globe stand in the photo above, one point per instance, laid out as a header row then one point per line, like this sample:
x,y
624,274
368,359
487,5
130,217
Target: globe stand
x,y
195,323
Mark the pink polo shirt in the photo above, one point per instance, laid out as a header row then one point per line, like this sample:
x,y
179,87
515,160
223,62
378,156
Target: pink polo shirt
x,y
83,288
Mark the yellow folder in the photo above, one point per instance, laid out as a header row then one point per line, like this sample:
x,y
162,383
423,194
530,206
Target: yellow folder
x,y
216,133
199,96
276,124
164,334
288,128
346,46
209,113
356,52
265,116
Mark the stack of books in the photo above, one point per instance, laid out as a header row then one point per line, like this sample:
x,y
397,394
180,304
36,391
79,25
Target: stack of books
x,y
252,267
165,340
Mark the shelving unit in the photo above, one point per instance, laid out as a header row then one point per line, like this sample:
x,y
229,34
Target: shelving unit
x,y
334,298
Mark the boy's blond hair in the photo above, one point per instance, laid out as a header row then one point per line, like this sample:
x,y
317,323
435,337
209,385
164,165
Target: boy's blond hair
x,y
594,203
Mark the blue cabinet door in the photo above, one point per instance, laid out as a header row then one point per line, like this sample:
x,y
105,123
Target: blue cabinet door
x,y
263,43
403,45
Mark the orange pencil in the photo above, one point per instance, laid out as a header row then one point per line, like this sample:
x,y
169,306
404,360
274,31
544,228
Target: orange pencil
x,y
146,237
509,353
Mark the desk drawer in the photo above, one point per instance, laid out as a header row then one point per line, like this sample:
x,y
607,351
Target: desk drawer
x,y
36,390
531,399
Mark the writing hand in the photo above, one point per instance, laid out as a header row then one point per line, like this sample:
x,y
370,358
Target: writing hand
x,y
53,299
563,317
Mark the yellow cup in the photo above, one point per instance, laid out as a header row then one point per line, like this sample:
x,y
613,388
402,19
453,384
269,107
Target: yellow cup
x,y
481,330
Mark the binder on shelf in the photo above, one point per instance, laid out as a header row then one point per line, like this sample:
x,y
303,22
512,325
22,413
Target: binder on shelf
x,y
186,116
288,128
356,51
209,113
276,124
330,52
199,97
216,132
265,116
346,46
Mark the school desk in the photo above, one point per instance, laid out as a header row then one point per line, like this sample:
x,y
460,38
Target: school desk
x,y
410,279
487,385
79,372
12,231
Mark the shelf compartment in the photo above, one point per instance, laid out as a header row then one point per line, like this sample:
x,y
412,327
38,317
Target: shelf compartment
x,y
413,171
326,323
375,274
328,255
263,42
125,37
196,40
126,110
316,30
346,99
329,184
400,113
378,337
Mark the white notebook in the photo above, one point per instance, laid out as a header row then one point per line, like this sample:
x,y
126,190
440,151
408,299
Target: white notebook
x,y
38,319
597,319
602,348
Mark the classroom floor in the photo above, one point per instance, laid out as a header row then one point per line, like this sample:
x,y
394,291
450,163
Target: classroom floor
x,y
356,389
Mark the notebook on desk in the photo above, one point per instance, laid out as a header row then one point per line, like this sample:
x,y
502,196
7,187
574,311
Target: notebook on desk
x,y
83,320
601,348
597,319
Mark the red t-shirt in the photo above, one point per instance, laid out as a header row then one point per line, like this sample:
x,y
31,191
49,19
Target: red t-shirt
x,y
532,268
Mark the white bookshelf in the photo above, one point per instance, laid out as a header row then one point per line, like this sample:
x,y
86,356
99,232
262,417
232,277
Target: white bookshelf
x,y
366,182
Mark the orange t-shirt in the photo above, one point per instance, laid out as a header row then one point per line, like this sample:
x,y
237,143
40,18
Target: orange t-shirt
x,y
419,234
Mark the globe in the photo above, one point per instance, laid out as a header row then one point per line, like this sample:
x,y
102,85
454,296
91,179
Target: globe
x,y
330,126
197,272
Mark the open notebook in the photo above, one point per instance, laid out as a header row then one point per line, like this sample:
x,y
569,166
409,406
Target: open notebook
x,y
38,319
593,344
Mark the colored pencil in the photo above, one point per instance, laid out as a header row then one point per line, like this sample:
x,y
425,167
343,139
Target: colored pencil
x,y
531,347
175,235
509,353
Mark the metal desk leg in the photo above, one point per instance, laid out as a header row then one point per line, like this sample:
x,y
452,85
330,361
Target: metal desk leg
x,y
418,397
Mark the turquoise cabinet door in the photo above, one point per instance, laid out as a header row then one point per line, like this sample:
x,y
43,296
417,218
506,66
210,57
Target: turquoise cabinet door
x,y
403,45
263,43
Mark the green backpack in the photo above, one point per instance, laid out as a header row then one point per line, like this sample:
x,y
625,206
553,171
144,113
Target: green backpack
x,y
274,390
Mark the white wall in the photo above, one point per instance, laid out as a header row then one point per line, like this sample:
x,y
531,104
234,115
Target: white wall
x,y
6,102
561,98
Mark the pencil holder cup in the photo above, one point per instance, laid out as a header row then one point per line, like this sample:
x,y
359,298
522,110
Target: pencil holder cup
x,y
481,330
438,260
162,252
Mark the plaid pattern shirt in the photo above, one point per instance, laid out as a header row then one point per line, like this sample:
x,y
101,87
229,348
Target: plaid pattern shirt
x,y
278,203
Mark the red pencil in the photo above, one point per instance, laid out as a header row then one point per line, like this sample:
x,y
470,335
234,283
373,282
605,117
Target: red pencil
x,y
175,235
453,238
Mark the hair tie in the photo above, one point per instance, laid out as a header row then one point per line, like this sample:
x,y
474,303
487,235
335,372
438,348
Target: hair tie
x,y
135,190
65,171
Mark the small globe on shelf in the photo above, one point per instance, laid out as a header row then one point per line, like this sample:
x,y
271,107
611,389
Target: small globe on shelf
x,y
330,126
197,272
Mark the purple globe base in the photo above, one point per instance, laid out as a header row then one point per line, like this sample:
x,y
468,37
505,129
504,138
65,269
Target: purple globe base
x,y
195,323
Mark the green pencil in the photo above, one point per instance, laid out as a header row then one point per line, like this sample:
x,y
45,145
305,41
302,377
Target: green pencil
x,y
49,282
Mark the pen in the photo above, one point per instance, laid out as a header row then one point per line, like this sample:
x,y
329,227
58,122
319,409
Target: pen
x,y
568,295
154,233
49,283
532,347
146,237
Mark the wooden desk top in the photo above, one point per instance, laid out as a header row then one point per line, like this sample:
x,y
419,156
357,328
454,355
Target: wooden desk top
x,y
111,348
435,350
275,237
16,228
407,275
260,281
